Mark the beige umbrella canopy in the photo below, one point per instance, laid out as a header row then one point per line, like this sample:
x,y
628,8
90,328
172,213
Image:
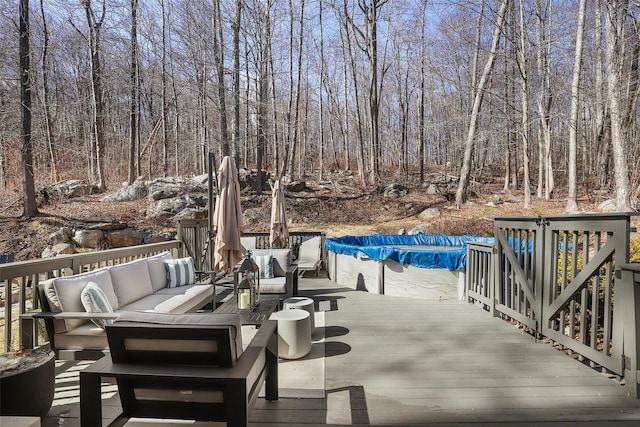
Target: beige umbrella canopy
x,y
227,218
279,235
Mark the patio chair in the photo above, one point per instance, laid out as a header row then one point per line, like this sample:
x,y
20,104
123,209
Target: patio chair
x,y
310,255
190,367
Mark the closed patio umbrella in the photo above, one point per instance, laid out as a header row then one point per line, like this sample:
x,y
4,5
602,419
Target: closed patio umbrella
x,y
279,235
227,218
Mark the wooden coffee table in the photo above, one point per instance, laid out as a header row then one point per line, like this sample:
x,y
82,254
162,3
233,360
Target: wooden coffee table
x,y
268,304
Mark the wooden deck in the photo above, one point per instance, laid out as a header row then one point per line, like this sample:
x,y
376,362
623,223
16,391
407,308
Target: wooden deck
x,y
398,362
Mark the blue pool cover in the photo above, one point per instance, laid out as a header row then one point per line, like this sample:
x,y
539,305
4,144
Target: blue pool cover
x,y
450,251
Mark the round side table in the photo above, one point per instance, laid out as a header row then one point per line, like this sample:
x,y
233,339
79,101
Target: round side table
x,y
303,304
294,333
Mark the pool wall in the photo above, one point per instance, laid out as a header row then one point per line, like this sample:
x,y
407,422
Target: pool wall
x,y
356,269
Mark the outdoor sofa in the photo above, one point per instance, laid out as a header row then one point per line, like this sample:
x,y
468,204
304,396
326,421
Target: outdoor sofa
x,y
142,285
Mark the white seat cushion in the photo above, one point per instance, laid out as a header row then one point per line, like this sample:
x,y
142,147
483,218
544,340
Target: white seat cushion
x,y
183,299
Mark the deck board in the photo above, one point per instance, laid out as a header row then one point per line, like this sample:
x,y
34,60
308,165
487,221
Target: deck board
x,y
392,361
403,361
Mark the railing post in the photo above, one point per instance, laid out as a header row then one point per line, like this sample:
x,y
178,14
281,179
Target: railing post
x,y
627,323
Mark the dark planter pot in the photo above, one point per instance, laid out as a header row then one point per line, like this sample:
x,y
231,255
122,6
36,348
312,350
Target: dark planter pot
x,y
29,391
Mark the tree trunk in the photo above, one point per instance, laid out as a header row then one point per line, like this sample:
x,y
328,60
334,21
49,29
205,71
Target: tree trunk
x,y
524,104
545,164
463,185
218,53
321,101
95,26
30,208
572,204
614,23
134,111
293,142
235,84
46,96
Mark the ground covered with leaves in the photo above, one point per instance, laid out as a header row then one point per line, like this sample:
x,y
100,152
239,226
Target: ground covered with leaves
x,y
334,209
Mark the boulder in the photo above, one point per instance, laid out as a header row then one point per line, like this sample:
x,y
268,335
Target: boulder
x,y
191,213
87,238
108,226
429,213
168,208
157,238
63,235
124,238
171,187
422,228
73,188
135,191
297,186
394,190
433,189
249,177
59,248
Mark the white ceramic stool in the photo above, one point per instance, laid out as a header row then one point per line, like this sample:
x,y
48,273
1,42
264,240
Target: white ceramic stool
x,y
294,333
301,303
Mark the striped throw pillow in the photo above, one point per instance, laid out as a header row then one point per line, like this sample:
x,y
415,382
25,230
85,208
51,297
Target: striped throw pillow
x,y
94,300
180,272
265,264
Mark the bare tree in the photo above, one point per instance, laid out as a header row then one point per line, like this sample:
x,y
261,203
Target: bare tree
x,y
294,107
545,165
369,40
94,23
218,54
235,82
134,112
615,16
46,95
463,185
30,207
524,105
572,204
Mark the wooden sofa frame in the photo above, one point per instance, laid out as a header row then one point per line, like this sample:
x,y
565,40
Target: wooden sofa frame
x,y
199,375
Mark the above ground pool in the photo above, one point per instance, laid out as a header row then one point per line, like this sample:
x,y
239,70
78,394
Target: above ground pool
x,y
429,266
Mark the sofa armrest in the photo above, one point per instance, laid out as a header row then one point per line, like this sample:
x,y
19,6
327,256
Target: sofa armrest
x,y
28,323
292,280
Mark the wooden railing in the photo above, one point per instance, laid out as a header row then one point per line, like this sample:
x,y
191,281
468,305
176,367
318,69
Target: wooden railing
x,y
194,235
20,278
556,276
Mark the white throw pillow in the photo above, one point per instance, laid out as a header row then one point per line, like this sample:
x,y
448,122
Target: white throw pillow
x,y
180,272
94,300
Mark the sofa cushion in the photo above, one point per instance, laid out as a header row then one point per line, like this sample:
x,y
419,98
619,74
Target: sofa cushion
x,y
229,321
265,264
68,290
157,270
182,299
95,301
180,272
281,259
277,285
131,281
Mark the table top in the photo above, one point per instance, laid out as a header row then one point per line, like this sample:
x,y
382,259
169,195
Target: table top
x,y
268,304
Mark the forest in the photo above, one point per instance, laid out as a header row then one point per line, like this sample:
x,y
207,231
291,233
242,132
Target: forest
x,y
541,94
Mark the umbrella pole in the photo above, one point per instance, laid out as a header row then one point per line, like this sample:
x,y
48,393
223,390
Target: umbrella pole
x,y
210,247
